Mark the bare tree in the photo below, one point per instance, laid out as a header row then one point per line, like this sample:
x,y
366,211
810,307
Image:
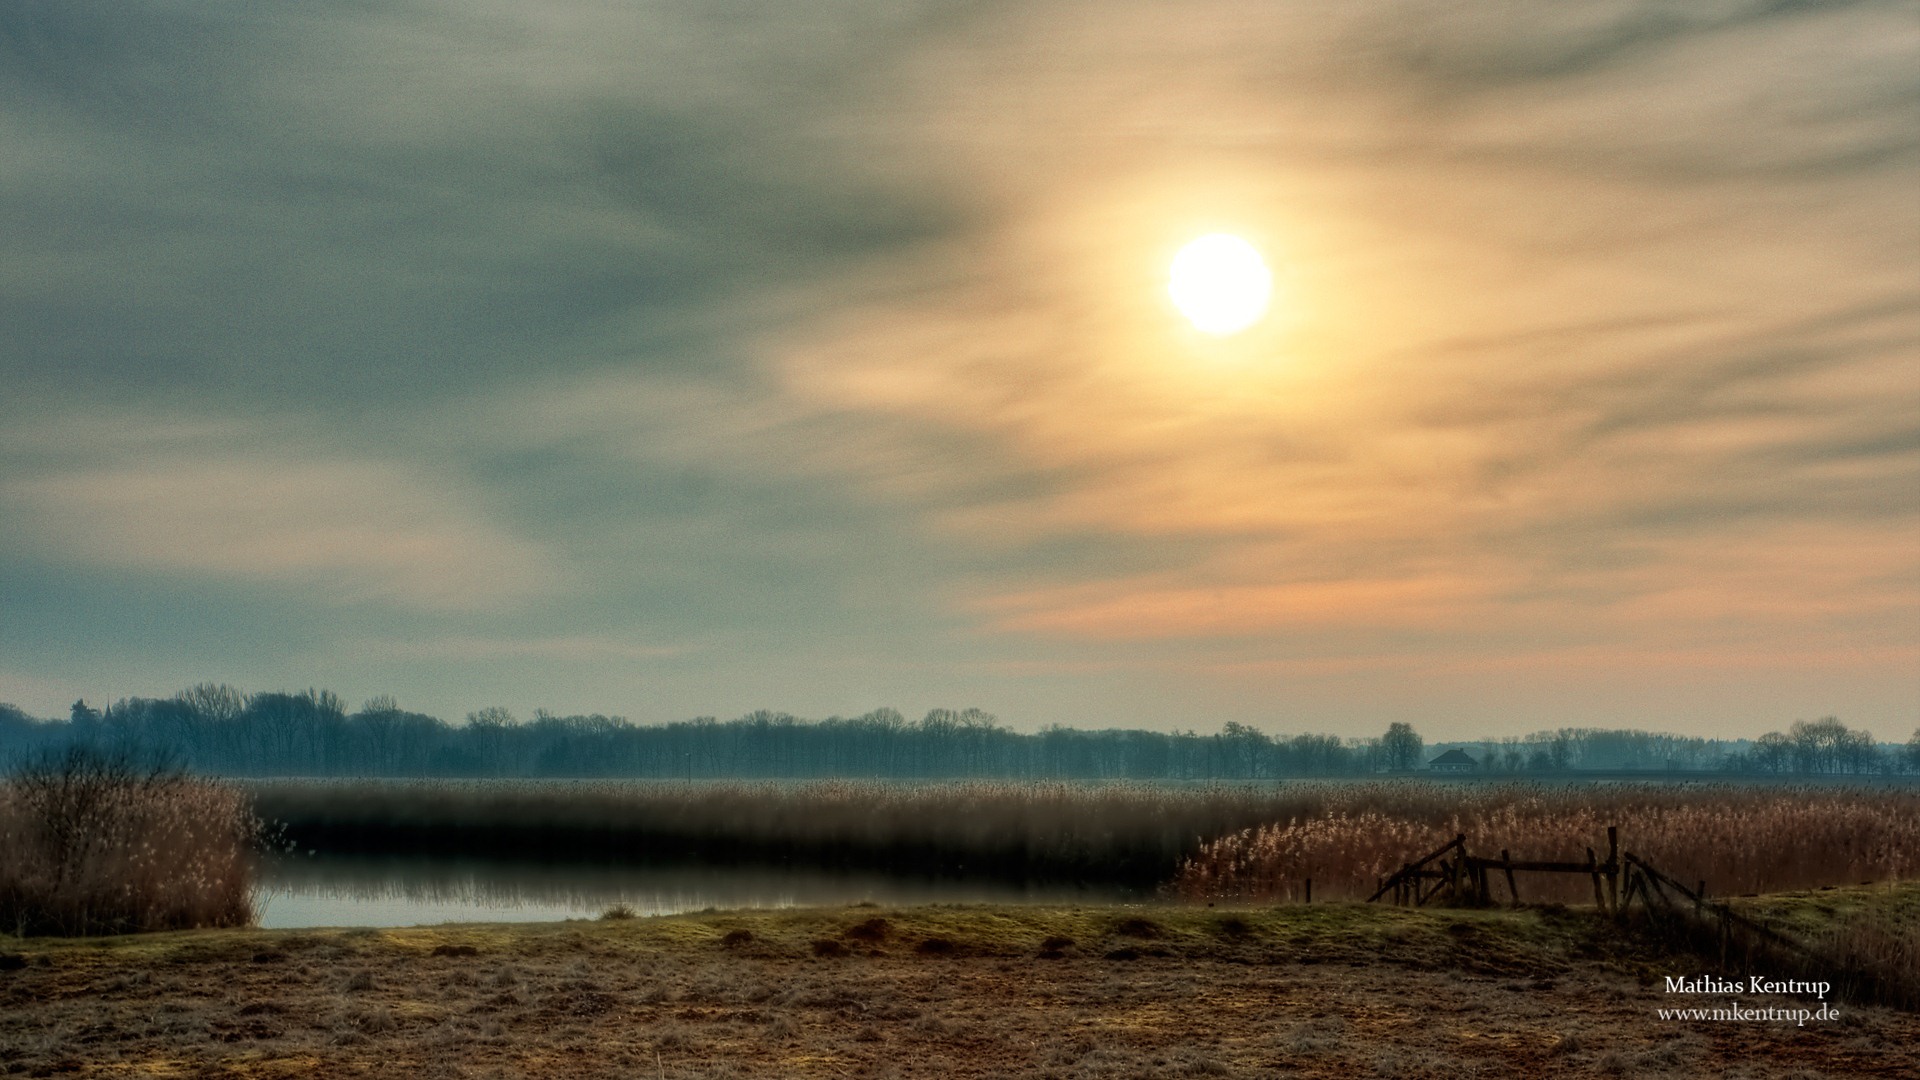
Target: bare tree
x,y
215,710
379,721
1773,753
1402,747
490,729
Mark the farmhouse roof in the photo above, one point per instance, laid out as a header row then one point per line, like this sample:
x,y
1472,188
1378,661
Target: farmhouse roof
x,y
1455,756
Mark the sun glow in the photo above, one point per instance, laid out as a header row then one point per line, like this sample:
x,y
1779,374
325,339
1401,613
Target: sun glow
x,y
1220,283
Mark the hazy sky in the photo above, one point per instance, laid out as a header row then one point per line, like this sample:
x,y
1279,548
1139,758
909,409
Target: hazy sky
x,y
688,357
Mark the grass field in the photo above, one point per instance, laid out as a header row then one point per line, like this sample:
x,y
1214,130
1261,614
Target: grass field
x,y
1336,990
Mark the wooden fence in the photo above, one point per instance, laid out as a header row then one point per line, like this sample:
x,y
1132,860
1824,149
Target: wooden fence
x,y
1460,876
1455,875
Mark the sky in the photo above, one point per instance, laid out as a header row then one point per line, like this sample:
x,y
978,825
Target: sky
x,y
687,357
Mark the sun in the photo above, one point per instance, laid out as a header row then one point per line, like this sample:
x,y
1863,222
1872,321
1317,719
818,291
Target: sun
x,y
1220,283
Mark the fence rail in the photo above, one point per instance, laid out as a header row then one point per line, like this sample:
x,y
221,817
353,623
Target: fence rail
x,y
1451,870
1465,876
1453,874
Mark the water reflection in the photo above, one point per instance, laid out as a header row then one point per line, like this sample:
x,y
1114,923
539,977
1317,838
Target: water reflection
x,y
325,891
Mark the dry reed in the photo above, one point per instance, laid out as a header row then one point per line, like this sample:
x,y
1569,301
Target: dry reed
x,y
1882,948
1736,839
1217,841
94,845
1116,834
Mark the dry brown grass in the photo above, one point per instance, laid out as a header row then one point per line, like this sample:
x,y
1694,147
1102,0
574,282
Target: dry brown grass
x,y
1316,993
1868,938
1737,839
1883,949
94,845
1885,946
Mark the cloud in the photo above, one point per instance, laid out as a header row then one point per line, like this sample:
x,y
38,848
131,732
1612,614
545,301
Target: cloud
x,y
339,529
578,647
1139,611
337,207
842,332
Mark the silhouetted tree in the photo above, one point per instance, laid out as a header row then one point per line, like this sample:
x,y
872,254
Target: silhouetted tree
x,y
490,731
1828,746
217,729
1401,747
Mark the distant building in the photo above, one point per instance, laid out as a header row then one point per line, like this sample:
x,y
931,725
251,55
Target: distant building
x,y
1453,761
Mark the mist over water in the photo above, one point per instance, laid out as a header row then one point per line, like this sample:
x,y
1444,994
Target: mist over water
x,y
359,891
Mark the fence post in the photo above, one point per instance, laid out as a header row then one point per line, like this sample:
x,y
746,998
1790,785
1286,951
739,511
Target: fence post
x,y
1513,891
1309,890
1613,865
1593,870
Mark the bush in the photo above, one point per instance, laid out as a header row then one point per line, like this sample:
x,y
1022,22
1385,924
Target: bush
x,y
93,843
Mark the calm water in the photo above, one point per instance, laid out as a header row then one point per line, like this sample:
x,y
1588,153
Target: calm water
x,y
413,892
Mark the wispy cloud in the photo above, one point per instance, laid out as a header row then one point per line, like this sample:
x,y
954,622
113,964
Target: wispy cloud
x,y
251,509
840,334
578,647
1122,611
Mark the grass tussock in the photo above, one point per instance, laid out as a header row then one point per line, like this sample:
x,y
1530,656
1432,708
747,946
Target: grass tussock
x,y
1738,840
93,844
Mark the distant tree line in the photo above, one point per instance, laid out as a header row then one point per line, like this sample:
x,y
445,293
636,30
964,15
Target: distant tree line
x,y
1601,750
219,730
1824,747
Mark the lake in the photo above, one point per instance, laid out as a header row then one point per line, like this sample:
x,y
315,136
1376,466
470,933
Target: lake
x,y
343,891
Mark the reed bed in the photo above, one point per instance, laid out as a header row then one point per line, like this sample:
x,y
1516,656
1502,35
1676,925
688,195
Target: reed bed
x,y
1210,842
1128,835
1738,840
95,845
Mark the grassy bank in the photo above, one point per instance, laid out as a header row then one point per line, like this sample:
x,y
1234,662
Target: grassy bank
x,y
1868,933
1077,993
